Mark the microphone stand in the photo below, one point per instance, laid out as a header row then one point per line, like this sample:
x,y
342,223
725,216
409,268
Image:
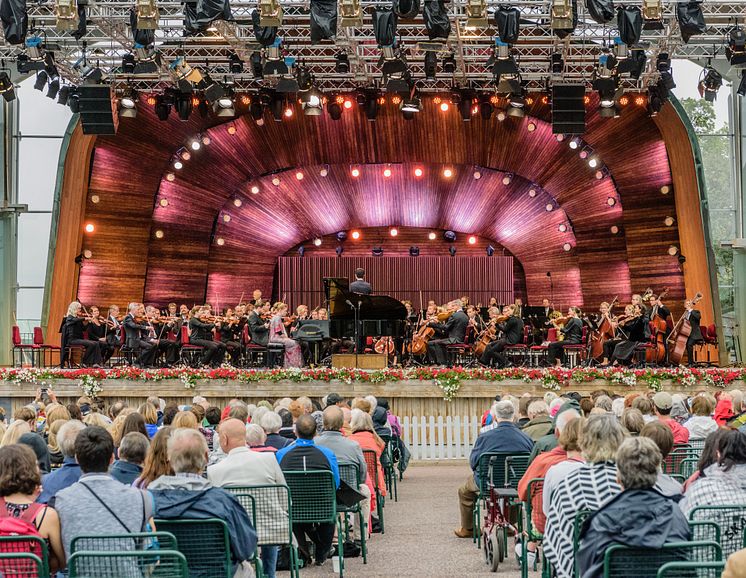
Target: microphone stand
x,y
357,329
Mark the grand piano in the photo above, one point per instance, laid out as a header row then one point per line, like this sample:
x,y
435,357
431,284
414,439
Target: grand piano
x,y
380,315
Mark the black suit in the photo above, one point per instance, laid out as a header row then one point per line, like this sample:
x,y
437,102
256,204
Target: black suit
x,y
455,329
72,334
98,333
512,331
136,340
573,332
695,336
259,333
213,352
170,347
362,287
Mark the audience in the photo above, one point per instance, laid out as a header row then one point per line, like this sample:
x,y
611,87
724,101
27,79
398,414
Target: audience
x,y
256,439
540,424
271,424
701,424
663,402
663,439
132,451
640,516
504,437
570,440
585,488
69,472
156,462
632,420
363,434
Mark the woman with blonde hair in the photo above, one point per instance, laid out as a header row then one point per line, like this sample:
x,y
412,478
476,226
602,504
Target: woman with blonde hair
x,y
15,431
185,419
118,425
150,414
95,418
156,462
278,334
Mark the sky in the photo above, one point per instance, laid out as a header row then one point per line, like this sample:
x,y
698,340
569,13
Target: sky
x,y
686,76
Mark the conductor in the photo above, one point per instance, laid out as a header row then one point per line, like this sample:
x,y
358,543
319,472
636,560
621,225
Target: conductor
x,y
359,285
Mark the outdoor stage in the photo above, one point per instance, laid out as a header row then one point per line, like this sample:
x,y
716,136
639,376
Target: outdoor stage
x,y
415,392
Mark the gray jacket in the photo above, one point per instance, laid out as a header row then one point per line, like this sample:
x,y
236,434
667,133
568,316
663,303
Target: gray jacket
x,y
346,451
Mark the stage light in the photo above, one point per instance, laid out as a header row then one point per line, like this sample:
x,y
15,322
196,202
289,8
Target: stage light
x,y
560,137
355,173
288,112
709,83
355,235
334,109
640,100
412,105
347,104
444,106
490,250
339,250
623,101
6,87
567,247
220,241
226,218
95,199
65,92
341,63
311,102
301,251
507,179
557,63
531,126
669,221
66,12
601,173
665,189
163,203
178,165
431,65
452,251
414,251
53,88
584,153
477,175
205,139
377,251
128,104
393,231
387,172
323,172
276,181
448,173
449,64
562,228
472,240
611,201
574,143
195,144
501,116
673,250
180,69
90,227
171,177
614,229
593,162
254,190
299,175
549,207
237,202
735,51
449,236
257,112
418,172
41,80
532,193
317,242
486,109
232,129
516,106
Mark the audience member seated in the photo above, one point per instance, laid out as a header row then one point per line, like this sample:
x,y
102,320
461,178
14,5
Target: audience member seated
x,y
639,517
504,437
585,488
723,482
569,440
20,483
97,503
632,421
663,402
701,424
243,467
663,438
288,425
303,455
187,495
271,423
69,473
132,452
156,462
539,424
550,441
363,434
39,447
256,439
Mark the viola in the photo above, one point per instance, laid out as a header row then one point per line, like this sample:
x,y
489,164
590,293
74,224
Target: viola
x,y
384,345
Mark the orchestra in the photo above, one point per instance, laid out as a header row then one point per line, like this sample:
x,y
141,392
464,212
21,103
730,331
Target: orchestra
x,y
494,336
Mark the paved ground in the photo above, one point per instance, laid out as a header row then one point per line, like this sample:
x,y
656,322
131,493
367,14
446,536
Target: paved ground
x,y
419,540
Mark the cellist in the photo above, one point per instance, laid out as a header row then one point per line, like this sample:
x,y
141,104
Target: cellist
x,y
512,333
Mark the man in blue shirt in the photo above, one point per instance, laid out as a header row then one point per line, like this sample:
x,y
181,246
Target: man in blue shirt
x,y
505,437
303,455
69,473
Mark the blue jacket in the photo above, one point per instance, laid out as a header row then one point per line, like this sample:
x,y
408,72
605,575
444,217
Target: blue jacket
x,y
152,429
125,472
306,455
65,476
504,437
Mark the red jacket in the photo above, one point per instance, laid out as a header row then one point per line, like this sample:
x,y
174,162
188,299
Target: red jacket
x,y
538,469
723,411
680,433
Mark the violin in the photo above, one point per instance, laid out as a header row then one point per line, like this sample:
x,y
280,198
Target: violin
x,y
289,320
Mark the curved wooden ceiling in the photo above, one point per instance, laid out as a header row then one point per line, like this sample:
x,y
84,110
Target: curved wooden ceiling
x,y
188,263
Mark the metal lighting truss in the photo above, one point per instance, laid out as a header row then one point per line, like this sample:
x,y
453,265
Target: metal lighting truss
x,y
109,38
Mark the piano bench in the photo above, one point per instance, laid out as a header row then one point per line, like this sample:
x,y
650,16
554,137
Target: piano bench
x,y
275,355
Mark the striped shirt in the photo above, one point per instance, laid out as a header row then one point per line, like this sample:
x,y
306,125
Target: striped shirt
x,y
586,488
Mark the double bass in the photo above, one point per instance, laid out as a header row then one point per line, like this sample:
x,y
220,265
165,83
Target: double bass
x,y
680,335
657,354
604,332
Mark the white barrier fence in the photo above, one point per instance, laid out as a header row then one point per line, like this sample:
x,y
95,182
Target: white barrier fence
x,y
441,438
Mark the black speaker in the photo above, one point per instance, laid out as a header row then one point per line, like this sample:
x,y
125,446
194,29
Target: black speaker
x,y
98,113
568,109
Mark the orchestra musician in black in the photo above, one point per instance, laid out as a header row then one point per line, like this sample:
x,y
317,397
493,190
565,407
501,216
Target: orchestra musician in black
x,y
695,336
73,327
160,335
97,332
230,335
360,285
200,333
136,332
573,332
259,327
454,329
512,334
632,327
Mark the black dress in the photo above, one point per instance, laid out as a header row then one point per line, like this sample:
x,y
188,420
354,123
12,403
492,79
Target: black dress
x,y
72,334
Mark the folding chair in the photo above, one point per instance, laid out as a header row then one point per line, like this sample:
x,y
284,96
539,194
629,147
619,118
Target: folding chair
x,y
22,565
531,533
271,517
691,570
350,474
314,498
623,562
47,347
371,461
123,542
135,564
190,354
730,518
389,471
678,453
580,517
22,545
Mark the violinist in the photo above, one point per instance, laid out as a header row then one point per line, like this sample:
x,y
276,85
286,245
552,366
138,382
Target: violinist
x,y
455,330
113,328
259,324
73,326
97,332
621,351
200,333
136,333
695,336
230,335
512,333
257,300
573,332
492,303
160,336
323,314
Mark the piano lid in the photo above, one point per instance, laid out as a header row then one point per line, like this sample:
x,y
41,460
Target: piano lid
x,y
371,306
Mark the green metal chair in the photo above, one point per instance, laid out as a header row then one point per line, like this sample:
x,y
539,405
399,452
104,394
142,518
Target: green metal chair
x,y
270,512
623,562
705,531
205,545
389,468
730,518
314,498
679,453
697,444
687,467
488,471
22,565
350,474
515,466
33,545
691,570
371,461
531,533
123,542
580,517
134,564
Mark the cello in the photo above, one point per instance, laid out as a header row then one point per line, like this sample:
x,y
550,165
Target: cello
x,y
487,335
657,354
680,335
604,332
